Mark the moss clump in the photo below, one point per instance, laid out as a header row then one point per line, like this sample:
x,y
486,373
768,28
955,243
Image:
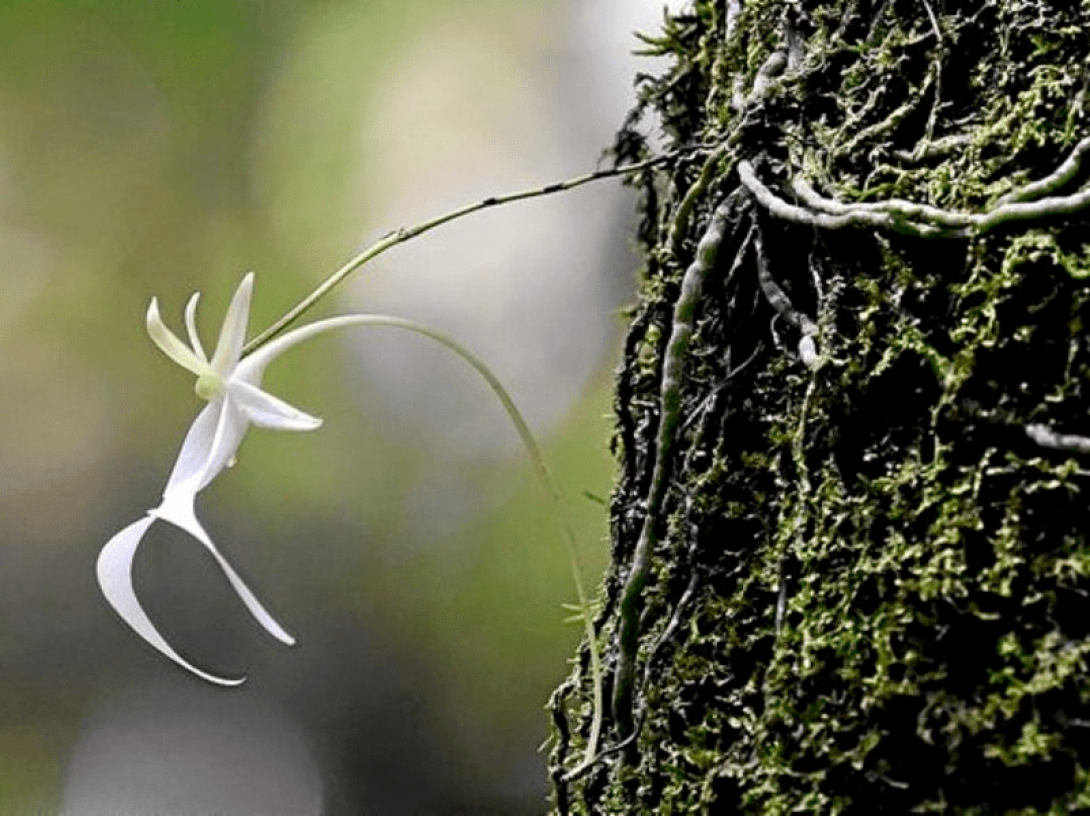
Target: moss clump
x,y
873,589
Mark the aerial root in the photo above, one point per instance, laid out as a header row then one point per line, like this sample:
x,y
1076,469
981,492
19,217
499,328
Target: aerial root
x,y
1030,202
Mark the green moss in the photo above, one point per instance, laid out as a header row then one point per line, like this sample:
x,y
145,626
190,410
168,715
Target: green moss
x,y
872,592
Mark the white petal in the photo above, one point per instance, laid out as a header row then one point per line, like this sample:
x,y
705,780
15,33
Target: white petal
x,y
230,429
192,459
114,570
211,443
169,343
177,508
266,411
233,333
191,326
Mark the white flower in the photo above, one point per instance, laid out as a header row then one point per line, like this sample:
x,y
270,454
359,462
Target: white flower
x,y
235,400
231,385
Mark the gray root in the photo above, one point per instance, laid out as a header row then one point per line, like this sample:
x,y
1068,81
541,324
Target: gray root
x,y
1048,438
924,220
692,285
772,68
779,301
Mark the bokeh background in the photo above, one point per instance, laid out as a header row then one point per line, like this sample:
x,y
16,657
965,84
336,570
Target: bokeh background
x,y
158,147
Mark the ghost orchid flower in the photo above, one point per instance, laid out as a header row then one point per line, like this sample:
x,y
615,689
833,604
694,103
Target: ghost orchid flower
x,y
231,386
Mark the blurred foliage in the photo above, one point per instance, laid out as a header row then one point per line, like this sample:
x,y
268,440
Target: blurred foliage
x,y
145,149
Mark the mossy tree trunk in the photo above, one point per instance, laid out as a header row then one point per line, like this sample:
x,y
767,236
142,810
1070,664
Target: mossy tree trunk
x,y
850,556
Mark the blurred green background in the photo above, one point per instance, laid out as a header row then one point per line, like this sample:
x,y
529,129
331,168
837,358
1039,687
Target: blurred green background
x,y
157,148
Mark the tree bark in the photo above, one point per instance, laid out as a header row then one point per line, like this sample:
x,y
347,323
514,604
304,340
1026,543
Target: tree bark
x,y
850,569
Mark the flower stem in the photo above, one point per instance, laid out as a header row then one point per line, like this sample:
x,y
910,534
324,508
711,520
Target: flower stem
x,y
400,236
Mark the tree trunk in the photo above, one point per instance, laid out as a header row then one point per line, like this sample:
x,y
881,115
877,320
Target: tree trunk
x,y
850,567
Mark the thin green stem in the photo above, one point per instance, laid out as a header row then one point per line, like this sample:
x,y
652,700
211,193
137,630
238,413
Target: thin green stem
x,y
400,236
680,223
